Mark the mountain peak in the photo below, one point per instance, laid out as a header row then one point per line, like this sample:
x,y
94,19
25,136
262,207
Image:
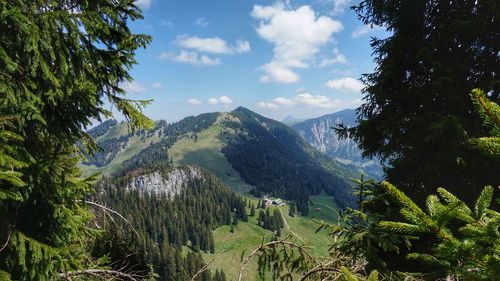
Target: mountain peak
x,y
242,109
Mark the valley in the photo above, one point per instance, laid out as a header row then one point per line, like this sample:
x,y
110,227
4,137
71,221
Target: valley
x,y
222,144
248,236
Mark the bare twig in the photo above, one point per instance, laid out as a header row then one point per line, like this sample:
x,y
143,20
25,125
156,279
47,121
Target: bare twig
x,y
319,268
282,242
101,273
205,267
6,242
106,209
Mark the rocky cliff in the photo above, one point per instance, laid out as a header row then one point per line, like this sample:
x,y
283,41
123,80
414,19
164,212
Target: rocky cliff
x,y
320,134
170,183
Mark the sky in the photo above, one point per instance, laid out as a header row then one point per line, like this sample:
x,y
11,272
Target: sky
x,y
278,58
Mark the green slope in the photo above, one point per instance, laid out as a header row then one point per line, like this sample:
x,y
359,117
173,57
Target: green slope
x,y
248,235
242,148
205,151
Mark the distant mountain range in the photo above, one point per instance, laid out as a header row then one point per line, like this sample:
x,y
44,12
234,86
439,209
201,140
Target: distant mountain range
x,y
290,120
247,151
318,132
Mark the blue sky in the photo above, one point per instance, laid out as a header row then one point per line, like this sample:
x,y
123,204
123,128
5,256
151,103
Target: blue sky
x,y
299,58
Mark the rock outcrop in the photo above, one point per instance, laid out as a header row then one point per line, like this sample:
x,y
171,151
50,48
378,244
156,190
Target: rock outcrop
x,y
169,184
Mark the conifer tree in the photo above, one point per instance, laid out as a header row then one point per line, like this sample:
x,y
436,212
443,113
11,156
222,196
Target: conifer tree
x,y
60,61
417,115
471,252
490,114
291,210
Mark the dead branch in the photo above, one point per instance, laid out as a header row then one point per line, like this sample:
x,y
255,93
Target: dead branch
x,y
102,273
282,242
317,269
205,267
108,210
6,242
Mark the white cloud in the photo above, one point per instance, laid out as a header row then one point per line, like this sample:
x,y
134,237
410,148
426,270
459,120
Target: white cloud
x,y
156,85
214,45
338,58
143,4
133,87
278,73
308,100
361,31
365,29
267,12
292,49
213,101
339,6
190,57
269,105
224,100
201,21
194,101
346,84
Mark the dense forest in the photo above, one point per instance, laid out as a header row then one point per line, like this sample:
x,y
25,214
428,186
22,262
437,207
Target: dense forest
x,y
274,159
165,223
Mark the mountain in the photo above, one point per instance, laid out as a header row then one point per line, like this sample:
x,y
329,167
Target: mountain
x,y
319,133
290,120
248,152
167,208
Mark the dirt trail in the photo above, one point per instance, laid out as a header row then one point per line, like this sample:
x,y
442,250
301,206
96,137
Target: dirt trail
x,y
288,227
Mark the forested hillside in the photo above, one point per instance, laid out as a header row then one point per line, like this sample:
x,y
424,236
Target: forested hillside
x,y
166,208
273,158
247,151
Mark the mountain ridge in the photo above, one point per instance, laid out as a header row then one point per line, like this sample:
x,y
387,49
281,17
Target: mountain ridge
x,y
319,133
246,150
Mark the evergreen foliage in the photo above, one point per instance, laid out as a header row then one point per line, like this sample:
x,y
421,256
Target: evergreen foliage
x,y
59,62
165,224
466,240
417,114
277,161
272,222
490,114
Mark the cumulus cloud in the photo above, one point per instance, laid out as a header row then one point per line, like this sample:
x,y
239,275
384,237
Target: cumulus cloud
x,y
224,100
213,45
194,101
339,6
201,21
292,49
364,30
346,84
190,57
213,101
269,105
308,100
133,87
338,58
143,4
